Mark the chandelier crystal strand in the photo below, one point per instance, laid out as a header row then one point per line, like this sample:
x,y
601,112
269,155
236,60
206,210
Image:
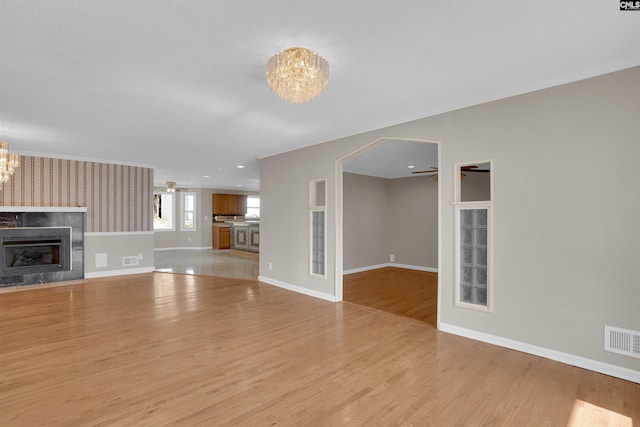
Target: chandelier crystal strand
x,y
8,162
297,75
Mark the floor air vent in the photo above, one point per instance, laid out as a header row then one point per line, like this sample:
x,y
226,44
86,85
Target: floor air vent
x,y
129,260
623,341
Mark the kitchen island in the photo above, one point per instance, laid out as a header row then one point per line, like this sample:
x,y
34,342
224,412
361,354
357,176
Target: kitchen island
x,y
245,236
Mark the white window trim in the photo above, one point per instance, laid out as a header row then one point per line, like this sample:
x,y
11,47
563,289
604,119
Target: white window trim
x,y
173,207
183,194
458,207
248,215
314,208
457,187
469,206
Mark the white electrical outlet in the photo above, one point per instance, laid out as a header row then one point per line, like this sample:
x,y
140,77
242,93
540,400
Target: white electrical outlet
x,y
392,258
270,266
140,256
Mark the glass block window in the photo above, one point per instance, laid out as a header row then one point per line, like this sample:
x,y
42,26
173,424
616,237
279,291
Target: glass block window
x,y
317,242
473,255
318,235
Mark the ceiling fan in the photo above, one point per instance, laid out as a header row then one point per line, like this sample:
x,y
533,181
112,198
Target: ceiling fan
x,y
470,168
171,187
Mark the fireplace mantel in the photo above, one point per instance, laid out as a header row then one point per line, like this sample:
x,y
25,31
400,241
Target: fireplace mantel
x,y
43,209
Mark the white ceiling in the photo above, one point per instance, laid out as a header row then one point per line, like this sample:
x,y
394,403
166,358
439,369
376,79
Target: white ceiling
x,y
394,159
179,85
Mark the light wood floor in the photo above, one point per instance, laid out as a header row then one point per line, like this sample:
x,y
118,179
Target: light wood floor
x,y
400,291
172,349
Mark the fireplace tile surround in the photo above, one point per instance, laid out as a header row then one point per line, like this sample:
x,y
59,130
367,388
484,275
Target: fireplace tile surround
x,y
73,217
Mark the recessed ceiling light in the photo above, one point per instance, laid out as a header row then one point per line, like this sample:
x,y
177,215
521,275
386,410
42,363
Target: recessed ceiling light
x,y
239,185
240,167
206,176
411,167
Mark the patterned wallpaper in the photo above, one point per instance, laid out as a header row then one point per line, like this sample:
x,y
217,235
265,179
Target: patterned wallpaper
x,y
117,197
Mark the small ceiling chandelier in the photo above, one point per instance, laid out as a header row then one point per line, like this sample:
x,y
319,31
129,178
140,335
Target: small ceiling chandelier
x,y
8,162
297,75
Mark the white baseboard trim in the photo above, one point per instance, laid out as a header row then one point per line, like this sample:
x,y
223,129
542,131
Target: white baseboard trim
x,y
558,356
368,268
414,267
389,264
298,289
123,272
183,248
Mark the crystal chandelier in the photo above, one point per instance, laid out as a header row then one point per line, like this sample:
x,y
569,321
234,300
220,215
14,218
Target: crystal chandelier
x,y
297,75
8,162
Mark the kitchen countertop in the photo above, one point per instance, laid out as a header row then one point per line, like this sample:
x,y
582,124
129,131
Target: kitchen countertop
x,y
244,223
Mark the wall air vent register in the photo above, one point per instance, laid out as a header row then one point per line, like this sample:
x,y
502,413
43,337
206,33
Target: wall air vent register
x,y
622,341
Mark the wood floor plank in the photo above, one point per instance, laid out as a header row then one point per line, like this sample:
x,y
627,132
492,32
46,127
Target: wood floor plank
x,y
409,293
169,349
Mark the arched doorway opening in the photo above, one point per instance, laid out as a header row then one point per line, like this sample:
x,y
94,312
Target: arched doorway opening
x,y
388,225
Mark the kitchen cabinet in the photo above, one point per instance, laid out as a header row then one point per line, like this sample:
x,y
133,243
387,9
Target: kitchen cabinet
x,y
225,237
229,204
221,236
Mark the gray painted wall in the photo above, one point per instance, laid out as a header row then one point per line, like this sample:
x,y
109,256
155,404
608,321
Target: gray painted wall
x,y
414,229
390,216
367,219
117,246
566,240
475,187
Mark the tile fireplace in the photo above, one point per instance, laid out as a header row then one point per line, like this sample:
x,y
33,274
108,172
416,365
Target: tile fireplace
x,y
34,250
41,245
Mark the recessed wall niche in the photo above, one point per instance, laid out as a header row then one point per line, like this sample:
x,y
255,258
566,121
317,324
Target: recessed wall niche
x,y
475,182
